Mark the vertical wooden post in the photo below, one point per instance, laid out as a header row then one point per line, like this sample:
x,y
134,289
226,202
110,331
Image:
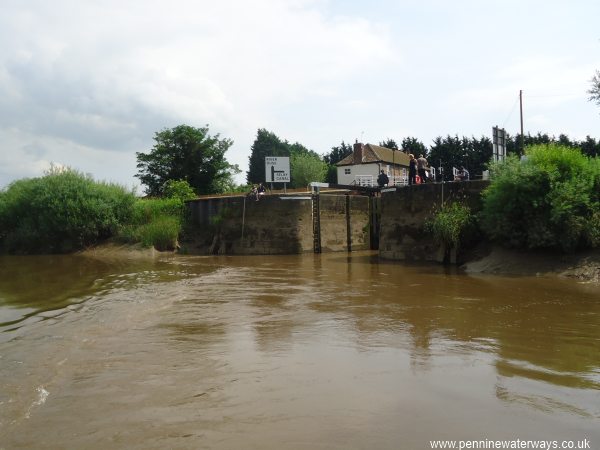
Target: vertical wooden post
x,y
348,229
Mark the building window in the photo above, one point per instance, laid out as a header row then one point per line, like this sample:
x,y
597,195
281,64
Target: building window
x,y
347,171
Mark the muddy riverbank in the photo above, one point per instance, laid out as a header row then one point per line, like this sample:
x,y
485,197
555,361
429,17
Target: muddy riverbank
x,y
583,266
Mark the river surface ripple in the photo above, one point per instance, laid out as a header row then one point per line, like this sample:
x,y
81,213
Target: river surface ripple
x,y
330,351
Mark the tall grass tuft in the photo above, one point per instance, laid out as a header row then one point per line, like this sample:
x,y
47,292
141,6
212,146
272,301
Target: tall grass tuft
x,y
155,223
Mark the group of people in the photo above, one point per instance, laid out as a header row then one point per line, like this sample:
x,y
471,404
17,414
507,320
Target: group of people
x,y
419,173
257,191
417,168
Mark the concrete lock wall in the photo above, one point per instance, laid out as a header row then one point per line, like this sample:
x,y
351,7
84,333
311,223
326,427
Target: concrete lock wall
x,y
243,226
284,224
404,213
344,221
275,225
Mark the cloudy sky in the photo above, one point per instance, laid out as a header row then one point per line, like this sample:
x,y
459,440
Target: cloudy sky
x,y
86,84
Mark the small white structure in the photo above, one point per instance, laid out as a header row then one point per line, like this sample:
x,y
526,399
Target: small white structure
x,y
366,162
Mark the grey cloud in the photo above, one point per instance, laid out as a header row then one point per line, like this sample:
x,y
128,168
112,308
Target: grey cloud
x,y
78,109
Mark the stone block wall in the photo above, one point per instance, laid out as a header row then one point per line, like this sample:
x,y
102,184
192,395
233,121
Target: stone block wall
x,y
405,211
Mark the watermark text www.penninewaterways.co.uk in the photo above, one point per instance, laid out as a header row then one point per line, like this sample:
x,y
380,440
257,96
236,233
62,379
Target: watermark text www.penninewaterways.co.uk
x,y
510,444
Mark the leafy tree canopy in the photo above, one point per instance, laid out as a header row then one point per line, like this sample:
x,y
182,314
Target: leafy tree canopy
x,y
336,154
306,168
265,144
389,143
268,143
179,189
190,154
414,146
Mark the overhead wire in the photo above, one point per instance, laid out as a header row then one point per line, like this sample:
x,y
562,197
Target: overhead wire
x,y
511,111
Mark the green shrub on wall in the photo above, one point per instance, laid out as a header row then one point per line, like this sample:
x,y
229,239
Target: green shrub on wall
x,y
551,199
452,225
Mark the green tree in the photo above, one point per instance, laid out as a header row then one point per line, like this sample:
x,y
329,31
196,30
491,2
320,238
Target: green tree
x,y
452,151
414,146
389,143
269,144
186,153
265,144
513,143
305,165
478,155
336,154
306,168
595,89
590,147
449,152
179,189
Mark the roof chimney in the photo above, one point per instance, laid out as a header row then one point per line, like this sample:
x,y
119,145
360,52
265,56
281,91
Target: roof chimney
x,y
358,153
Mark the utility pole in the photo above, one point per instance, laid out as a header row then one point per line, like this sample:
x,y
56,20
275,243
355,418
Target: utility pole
x,y
521,106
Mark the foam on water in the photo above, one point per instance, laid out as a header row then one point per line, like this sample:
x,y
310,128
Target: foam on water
x,y
42,395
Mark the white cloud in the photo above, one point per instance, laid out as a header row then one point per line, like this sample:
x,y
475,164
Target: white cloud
x,y
87,84
105,77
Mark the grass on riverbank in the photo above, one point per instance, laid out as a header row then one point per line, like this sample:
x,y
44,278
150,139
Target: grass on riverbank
x,y
154,223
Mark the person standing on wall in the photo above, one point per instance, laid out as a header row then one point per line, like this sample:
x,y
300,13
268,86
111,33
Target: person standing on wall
x,y
412,170
382,179
422,168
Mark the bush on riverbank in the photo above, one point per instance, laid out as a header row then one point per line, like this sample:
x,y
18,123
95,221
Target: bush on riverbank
x,y
155,222
65,211
60,212
549,200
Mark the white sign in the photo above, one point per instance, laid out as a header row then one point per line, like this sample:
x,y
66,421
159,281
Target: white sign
x,y
277,169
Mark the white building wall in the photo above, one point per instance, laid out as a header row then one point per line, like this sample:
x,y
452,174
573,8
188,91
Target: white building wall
x,y
361,169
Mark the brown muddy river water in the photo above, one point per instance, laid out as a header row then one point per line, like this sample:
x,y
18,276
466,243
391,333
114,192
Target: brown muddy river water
x,y
330,351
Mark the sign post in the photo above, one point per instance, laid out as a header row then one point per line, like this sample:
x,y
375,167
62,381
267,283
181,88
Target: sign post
x,y
277,170
499,143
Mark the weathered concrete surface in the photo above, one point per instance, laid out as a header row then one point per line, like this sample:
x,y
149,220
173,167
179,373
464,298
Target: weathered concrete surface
x,y
284,224
242,226
275,225
334,222
404,213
